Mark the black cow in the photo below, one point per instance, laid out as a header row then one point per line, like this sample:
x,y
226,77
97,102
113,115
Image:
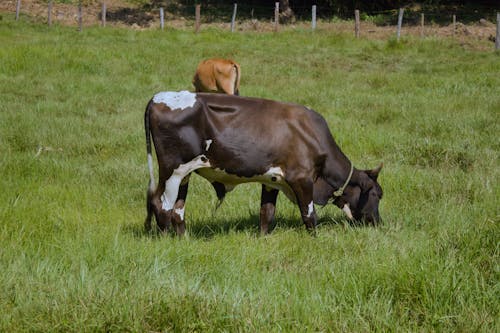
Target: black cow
x,y
231,140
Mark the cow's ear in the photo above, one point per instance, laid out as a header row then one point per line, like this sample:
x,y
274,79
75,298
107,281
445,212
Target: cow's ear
x,y
373,174
364,181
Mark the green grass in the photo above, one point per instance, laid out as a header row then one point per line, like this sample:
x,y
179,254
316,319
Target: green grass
x,y
73,253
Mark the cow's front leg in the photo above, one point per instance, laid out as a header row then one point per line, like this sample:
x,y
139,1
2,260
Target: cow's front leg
x,y
267,208
303,189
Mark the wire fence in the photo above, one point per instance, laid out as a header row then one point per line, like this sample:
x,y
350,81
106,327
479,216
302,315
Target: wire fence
x,y
248,16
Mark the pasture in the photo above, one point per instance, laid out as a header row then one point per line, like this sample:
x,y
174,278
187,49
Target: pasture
x,y
74,256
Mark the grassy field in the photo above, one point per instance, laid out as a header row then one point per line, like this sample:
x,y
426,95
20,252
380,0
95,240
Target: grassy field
x,y
73,253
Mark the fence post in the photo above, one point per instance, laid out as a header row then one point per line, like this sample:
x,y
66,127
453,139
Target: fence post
x,y
197,18
49,13
422,22
233,19
276,16
400,22
18,9
454,24
313,13
162,23
103,14
356,24
80,15
497,39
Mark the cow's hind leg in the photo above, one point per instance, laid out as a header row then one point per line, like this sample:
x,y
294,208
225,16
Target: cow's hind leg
x,y
303,189
267,208
154,207
174,194
177,214
162,199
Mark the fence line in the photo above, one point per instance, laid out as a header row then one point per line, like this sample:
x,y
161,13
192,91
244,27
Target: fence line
x,y
233,18
197,18
276,16
313,17
422,25
356,23
80,16
49,13
18,9
314,13
400,22
103,14
162,22
454,20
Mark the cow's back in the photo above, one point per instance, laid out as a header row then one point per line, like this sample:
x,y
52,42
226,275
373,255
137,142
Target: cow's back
x,y
263,129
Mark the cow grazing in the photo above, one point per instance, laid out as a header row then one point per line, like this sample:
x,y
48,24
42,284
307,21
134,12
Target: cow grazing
x,y
231,140
217,75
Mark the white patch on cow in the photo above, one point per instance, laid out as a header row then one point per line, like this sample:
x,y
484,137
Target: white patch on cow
x,y
208,143
176,100
180,212
274,178
275,172
348,212
172,184
310,209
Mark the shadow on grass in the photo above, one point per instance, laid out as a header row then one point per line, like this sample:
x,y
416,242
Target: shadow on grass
x,y
202,229
250,224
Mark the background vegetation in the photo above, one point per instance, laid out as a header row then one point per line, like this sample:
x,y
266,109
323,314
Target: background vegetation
x,y
385,11
440,11
73,253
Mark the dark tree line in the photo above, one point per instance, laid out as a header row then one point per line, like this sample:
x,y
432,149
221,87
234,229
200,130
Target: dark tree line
x,y
337,5
292,9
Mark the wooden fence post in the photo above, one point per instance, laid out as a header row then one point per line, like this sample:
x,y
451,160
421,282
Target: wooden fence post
x,y
454,24
233,19
400,22
422,22
276,16
80,15
162,23
18,9
313,13
356,24
103,14
49,13
497,40
197,18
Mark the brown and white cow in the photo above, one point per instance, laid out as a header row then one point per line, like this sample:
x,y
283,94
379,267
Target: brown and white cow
x,y
231,140
217,75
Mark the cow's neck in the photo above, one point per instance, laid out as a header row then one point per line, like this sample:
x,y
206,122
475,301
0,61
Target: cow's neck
x,y
338,169
336,174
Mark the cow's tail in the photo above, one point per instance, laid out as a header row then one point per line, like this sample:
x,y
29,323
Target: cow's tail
x,y
147,131
237,79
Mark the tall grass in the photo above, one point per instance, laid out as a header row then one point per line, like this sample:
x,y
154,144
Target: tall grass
x,y
73,253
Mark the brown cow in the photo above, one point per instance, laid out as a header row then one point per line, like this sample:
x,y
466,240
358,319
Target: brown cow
x,y
217,75
231,140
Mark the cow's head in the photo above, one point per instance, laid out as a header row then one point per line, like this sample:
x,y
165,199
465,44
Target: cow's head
x,y
361,197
